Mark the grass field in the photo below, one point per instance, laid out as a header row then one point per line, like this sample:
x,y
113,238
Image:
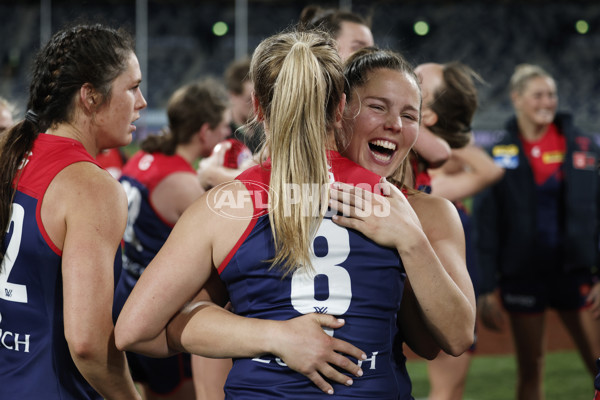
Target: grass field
x,y
494,378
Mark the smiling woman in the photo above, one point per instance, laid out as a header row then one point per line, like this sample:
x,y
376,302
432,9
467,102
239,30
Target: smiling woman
x,y
538,227
381,124
383,118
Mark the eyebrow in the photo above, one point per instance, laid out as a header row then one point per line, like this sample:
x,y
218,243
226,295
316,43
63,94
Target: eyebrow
x,y
386,101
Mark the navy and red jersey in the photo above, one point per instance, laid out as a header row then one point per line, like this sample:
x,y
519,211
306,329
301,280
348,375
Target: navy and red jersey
x,y
145,234
36,362
354,278
546,157
539,220
146,230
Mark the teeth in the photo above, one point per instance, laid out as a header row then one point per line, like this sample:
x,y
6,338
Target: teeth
x,y
381,157
385,144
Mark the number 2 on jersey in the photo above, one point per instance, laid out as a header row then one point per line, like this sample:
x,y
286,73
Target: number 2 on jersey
x,y
12,291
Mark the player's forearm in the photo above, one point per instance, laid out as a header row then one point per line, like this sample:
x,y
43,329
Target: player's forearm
x,y
413,329
208,330
448,312
106,369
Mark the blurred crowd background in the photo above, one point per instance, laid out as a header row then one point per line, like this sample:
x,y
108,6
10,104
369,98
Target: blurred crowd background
x,y
180,43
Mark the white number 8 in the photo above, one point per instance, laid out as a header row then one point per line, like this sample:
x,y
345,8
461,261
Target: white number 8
x,y
339,283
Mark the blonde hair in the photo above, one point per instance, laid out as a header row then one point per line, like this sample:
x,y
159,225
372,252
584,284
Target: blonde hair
x,y
523,74
298,82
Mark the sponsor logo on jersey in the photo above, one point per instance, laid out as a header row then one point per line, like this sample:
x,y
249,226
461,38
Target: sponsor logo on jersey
x,y
506,156
14,341
553,157
369,362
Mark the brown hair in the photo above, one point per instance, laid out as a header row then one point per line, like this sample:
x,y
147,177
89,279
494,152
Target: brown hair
x,y
329,19
357,70
92,54
236,74
455,103
190,107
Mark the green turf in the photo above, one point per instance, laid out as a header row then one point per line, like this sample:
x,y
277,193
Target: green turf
x,y
494,378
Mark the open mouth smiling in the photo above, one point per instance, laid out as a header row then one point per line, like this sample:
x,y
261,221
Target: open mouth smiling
x,y
382,150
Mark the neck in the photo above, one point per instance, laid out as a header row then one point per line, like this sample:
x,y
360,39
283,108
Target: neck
x,y
72,131
188,152
331,143
530,130
238,118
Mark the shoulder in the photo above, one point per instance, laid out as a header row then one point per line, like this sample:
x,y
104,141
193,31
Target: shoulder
x,y
236,200
176,192
226,211
429,203
437,214
84,199
85,185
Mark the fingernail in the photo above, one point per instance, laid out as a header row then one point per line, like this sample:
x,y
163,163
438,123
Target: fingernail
x,y
349,382
360,372
330,391
363,356
341,320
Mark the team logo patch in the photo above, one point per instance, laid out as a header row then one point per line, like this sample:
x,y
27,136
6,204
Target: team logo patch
x,y
506,156
584,160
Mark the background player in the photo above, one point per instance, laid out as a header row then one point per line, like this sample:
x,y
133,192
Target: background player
x,y
449,104
537,229
6,114
160,182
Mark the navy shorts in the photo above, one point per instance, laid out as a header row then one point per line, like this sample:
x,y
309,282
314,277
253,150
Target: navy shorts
x,y
560,291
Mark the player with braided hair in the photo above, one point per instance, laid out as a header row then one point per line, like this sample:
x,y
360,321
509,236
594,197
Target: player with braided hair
x,y
63,218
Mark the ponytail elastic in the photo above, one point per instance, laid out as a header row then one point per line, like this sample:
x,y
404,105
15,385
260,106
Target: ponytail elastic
x,y
32,117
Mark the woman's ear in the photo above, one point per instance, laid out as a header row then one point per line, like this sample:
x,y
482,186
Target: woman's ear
x,y
428,117
515,97
339,115
88,97
256,108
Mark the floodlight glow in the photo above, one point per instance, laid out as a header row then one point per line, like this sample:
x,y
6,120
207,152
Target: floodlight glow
x,y
582,26
421,28
220,28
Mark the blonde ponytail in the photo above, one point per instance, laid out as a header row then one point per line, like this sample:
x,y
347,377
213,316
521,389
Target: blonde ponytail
x,y
299,83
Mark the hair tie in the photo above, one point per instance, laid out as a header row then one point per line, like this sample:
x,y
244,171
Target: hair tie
x,y
32,117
